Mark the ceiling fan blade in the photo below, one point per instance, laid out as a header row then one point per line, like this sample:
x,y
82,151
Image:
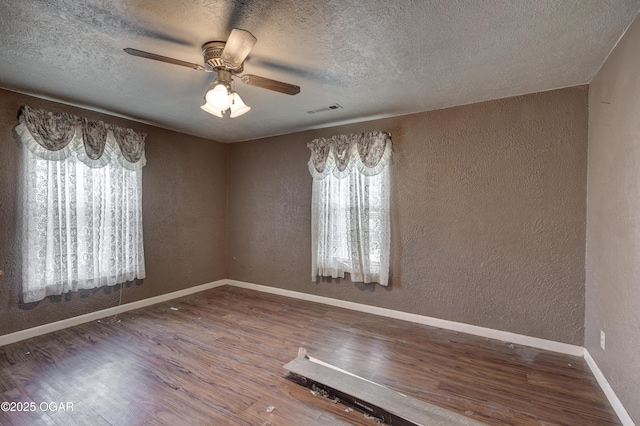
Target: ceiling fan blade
x,y
267,83
140,53
237,48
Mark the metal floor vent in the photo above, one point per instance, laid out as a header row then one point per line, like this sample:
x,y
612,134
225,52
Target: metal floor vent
x,y
323,109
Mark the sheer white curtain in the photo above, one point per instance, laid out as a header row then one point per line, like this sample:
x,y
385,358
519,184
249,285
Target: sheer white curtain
x,y
81,207
350,207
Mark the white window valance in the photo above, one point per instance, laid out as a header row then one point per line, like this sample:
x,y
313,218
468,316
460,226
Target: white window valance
x,y
57,136
369,153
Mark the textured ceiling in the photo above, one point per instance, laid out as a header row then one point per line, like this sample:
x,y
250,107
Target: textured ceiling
x,y
375,58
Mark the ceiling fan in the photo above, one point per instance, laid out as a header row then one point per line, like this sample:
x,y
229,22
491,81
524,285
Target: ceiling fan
x,y
226,59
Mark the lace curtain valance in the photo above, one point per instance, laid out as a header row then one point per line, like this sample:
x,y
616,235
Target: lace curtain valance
x,y
368,152
58,135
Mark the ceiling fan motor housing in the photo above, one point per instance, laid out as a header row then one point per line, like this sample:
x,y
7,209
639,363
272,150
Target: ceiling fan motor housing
x,y
212,52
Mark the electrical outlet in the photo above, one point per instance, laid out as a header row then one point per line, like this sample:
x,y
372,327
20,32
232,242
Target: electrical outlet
x,y
602,339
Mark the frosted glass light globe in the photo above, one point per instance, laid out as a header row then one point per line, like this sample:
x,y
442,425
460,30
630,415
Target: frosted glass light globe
x,y
210,110
237,106
218,98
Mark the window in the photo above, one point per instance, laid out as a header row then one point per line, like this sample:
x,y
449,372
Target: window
x,y
81,223
350,207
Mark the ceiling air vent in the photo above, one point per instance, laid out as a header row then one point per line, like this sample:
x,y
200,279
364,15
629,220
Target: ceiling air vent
x,y
323,109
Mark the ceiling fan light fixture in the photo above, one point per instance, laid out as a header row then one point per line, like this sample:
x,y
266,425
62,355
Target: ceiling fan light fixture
x,y
226,59
218,98
206,107
237,106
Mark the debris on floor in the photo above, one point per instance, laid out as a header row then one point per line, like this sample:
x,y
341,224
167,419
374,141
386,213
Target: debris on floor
x,y
374,418
320,391
111,321
174,309
270,409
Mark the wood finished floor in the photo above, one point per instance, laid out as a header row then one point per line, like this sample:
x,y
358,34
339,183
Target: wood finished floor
x,y
218,360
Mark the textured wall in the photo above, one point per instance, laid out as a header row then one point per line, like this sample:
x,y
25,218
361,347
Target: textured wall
x,y
613,221
488,216
184,219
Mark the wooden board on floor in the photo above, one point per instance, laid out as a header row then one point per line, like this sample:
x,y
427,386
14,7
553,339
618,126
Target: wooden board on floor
x,y
377,398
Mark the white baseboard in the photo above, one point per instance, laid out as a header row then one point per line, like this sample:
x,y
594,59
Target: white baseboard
x,y
390,313
625,418
92,316
505,336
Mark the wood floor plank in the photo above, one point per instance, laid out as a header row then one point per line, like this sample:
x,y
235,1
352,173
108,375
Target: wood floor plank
x,y
217,358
